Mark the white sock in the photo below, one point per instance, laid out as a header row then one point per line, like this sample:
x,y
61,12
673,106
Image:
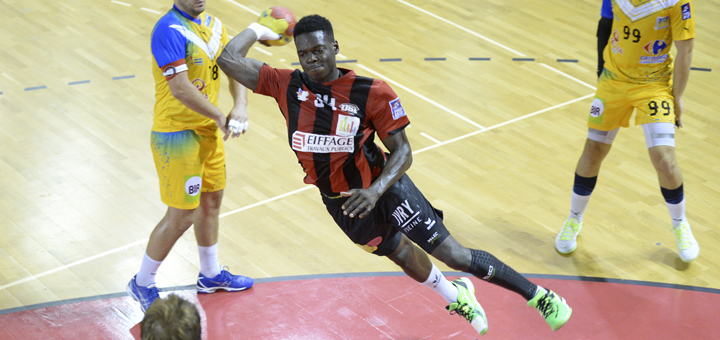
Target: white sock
x,y
677,212
578,204
437,282
540,290
209,263
148,270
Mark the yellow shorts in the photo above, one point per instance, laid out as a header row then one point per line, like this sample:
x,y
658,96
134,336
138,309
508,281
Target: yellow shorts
x,y
188,163
615,101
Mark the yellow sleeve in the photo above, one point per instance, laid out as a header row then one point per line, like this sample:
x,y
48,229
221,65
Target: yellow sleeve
x,y
682,21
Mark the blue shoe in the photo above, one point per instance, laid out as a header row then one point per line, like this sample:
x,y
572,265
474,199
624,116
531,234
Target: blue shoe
x,y
225,281
144,295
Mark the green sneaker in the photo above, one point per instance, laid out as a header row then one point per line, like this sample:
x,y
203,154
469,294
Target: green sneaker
x,y
467,306
552,307
566,239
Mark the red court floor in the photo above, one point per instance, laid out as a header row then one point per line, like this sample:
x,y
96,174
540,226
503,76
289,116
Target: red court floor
x,y
391,306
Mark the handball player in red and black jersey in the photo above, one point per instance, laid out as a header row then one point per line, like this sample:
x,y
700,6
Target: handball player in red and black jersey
x,y
333,118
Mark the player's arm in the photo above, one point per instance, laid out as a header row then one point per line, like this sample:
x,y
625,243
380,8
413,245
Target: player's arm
x,y
398,161
681,73
233,62
362,201
188,94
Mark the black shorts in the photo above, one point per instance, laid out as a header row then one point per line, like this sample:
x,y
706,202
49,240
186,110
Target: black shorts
x,y
401,209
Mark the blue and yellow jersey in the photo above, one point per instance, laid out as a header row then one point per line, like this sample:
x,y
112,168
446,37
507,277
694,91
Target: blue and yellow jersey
x,y
642,35
183,43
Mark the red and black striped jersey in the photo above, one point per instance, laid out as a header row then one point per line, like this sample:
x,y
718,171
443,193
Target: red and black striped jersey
x,y
331,126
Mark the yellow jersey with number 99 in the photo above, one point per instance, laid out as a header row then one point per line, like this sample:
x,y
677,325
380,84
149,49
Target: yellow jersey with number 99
x,y
642,34
182,43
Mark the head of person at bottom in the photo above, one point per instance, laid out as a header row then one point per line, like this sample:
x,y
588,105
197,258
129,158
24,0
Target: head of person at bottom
x,y
316,48
171,318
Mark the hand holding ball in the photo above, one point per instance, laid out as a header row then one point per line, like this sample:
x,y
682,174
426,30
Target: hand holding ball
x,y
281,21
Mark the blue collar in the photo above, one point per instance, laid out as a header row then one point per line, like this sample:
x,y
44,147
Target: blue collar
x,y
188,16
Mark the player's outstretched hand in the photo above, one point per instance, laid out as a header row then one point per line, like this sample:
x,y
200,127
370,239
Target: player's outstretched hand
x,y
361,201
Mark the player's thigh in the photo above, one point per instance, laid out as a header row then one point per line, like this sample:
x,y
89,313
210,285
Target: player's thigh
x,y
178,166
405,208
212,153
654,103
611,107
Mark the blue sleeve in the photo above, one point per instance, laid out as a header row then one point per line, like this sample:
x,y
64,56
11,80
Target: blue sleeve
x,y
606,11
167,44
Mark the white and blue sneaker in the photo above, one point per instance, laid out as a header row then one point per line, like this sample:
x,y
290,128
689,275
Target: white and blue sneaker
x,y
224,281
144,295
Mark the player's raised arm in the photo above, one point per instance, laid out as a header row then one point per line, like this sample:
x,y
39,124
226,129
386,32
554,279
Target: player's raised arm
x,y
233,62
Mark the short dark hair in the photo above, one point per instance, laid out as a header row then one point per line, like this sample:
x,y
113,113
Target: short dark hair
x,y
172,318
312,23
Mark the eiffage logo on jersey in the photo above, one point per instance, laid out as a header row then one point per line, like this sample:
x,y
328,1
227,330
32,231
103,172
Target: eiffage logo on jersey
x,y
310,142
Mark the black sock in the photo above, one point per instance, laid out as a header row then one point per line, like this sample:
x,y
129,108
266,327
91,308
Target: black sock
x,y
487,267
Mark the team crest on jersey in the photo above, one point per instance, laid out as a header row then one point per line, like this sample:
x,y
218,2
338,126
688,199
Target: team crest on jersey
x,y
310,142
614,43
349,108
397,109
662,22
302,95
199,61
686,11
347,125
655,47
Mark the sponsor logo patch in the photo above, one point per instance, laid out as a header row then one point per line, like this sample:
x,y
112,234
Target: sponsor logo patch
x,y
397,109
406,217
193,184
596,111
661,22
655,47
349,108
302,95
347,125
310,142
686,11
653,60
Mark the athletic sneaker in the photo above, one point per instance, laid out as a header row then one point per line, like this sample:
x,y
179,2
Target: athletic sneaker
x,y
566,240
467,306
144,295
688,248
224,281
552,307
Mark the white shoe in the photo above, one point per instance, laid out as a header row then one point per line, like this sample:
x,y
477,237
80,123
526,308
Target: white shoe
x,y
566,240
688,248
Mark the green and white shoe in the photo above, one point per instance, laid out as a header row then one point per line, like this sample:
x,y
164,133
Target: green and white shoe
x,y
688,248
552,307
566,240
467,306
